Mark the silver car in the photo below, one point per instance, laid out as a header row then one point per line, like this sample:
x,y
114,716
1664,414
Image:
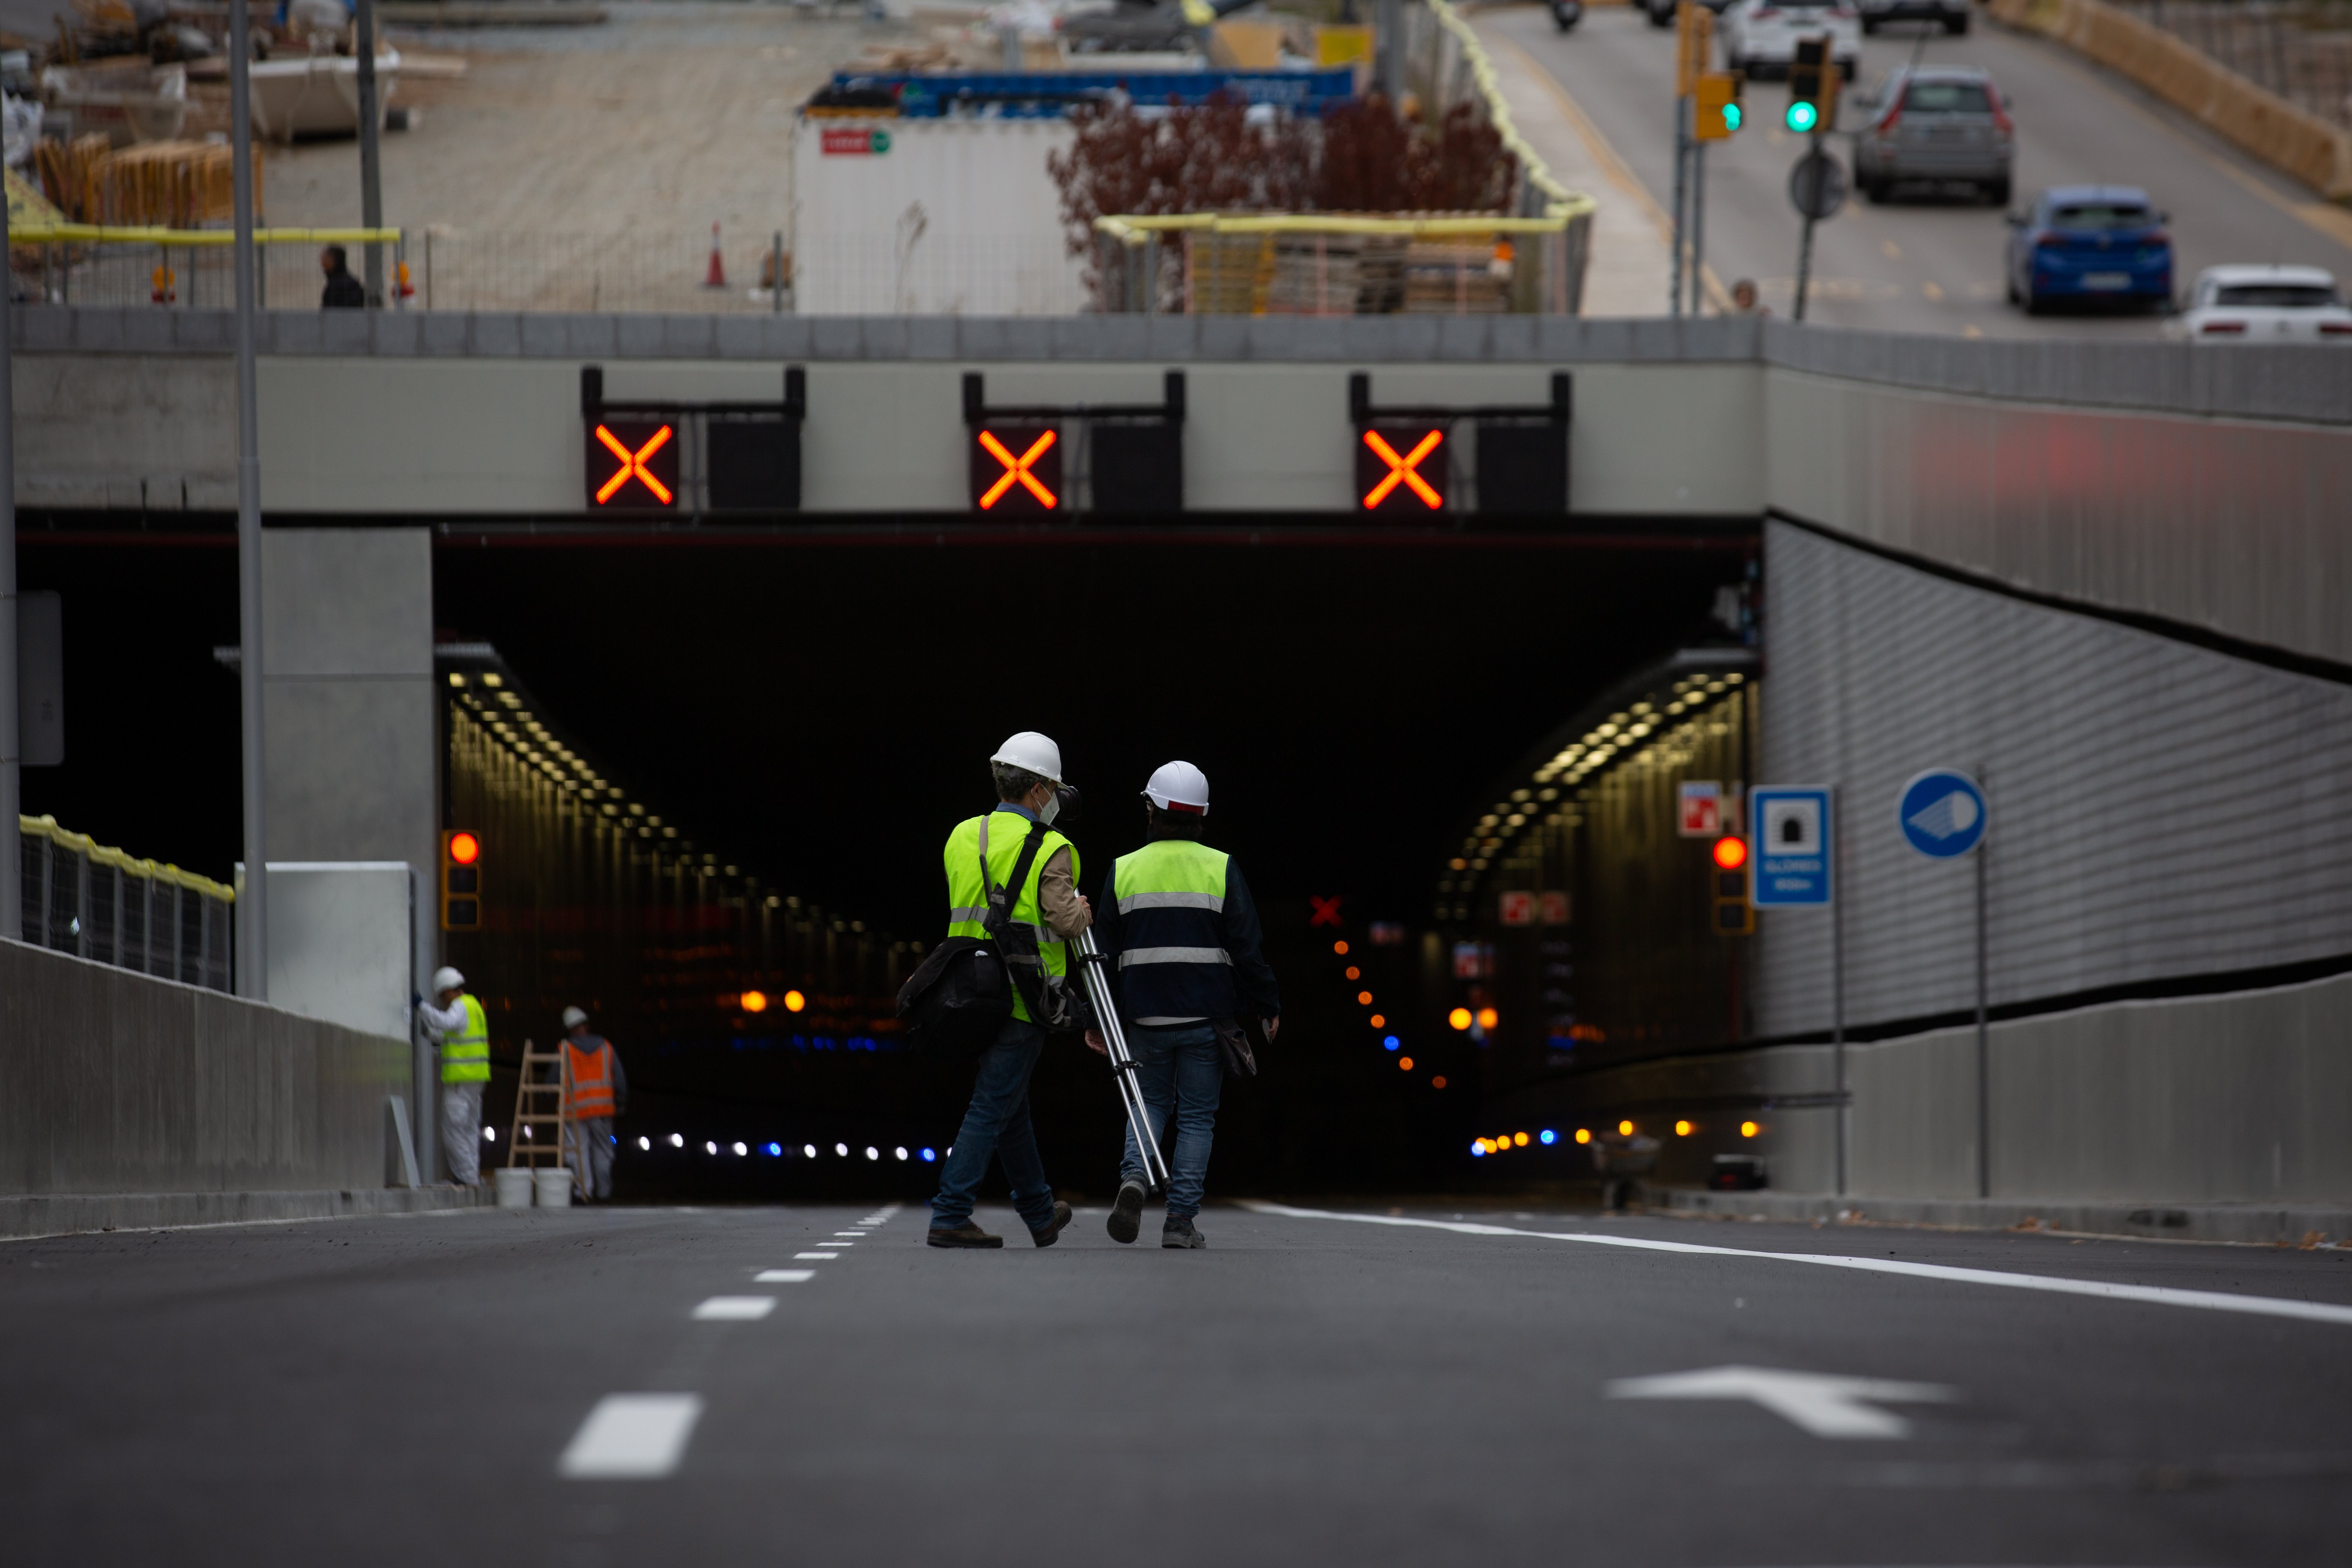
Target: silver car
x,y
1935,125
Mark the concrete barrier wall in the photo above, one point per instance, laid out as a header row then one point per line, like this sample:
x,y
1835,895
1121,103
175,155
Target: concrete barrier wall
x,y
116,1083
2237,1098
2289,139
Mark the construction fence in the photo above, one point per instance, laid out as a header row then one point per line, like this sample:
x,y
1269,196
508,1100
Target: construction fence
x,y
95,902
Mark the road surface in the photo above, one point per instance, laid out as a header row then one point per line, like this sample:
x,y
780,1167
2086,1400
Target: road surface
x,y
1931,265
1396,1388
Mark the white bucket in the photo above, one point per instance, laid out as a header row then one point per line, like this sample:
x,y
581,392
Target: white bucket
x,y
514,1189
554,1187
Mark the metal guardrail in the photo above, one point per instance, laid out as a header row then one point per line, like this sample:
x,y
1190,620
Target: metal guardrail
x,y
95,902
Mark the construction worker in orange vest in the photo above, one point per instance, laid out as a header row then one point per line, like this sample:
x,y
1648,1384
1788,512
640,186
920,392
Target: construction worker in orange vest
x,y
600,1091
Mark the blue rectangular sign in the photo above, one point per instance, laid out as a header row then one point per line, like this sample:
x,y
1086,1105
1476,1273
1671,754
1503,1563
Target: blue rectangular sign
x,y
1789,838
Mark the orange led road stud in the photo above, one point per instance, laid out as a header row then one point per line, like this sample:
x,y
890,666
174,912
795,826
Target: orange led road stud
x,y
1021,470
632,465
1403,471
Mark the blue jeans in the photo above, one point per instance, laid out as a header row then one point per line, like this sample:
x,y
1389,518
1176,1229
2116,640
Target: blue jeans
x,y
1182,1068
998,1124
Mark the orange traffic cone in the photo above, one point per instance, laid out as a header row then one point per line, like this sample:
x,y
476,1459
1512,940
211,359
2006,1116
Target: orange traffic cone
x,y
162,291
717,276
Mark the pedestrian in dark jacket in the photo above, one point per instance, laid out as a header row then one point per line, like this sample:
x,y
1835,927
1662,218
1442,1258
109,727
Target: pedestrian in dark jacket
x,y
344,292
1177,926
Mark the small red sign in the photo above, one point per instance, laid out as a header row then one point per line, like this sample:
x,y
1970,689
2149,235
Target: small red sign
x,y
1519,908
846,142
1701,808
1554,908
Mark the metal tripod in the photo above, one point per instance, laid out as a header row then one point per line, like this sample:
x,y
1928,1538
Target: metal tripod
x,y
1122,1061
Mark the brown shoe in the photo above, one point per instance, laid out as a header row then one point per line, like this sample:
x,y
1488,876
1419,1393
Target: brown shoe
x,y
1048,1237
964,1235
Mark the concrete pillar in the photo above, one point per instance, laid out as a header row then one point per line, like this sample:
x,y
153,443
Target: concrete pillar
x,y
348,703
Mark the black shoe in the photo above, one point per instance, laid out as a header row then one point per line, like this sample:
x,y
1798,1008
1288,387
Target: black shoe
x,y
1052,1233
964,1235
1179,1233
1127,1215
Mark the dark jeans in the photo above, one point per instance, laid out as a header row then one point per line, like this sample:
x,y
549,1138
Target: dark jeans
x,y
998,1124
1181,1068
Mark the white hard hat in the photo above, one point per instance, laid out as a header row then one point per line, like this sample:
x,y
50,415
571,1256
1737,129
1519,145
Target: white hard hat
x,y
573,1017
1032,750
447,979
1179,786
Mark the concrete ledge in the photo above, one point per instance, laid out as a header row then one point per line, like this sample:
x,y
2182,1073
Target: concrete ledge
x,y
2260,1224
67,1214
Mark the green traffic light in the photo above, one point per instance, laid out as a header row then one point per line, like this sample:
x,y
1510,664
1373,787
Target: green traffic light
x,y
1731,117
1802,116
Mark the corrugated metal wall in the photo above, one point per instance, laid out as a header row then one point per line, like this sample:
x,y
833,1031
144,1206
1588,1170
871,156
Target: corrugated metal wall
x,y
2158,810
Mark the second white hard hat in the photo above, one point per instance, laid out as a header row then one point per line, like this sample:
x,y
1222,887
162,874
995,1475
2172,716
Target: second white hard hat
x,y
573,1017
447,979
1179,786
1032,750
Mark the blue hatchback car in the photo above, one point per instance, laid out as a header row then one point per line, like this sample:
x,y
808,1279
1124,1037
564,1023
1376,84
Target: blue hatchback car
x,y
2080,243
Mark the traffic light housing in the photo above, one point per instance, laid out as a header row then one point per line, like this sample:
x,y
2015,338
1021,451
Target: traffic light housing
x,y
1728,877
461,880
1813,87
1716,114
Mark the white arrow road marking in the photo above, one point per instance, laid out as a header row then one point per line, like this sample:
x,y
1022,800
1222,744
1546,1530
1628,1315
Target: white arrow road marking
x,y
2159,1295
1825,1405
632,1437
734,1309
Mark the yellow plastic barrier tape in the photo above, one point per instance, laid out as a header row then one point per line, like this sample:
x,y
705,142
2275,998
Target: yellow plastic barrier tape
x,y
106,855
103,234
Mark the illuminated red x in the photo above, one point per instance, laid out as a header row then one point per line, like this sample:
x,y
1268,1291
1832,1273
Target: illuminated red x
x,y
1327,911
1016,469
1401,469
632,465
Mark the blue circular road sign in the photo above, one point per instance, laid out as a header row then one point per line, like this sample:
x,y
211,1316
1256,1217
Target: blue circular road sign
x,y
1942,814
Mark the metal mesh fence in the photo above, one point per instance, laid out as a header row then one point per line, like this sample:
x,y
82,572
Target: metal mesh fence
x,y
2300,51
82,898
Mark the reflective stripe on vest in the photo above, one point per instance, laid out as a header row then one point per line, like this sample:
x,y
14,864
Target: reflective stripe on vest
x,y
591,1079
465,1056
1174,955
968,901
1170,896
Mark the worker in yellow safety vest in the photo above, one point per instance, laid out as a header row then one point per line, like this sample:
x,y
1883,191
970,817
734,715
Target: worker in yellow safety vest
x,y
455,1018
1027,770
600,1091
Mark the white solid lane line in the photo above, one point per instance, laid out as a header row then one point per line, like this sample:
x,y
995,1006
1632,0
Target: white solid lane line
x,y
784,1276
2159,1295
812,1256
734,1309
632,1437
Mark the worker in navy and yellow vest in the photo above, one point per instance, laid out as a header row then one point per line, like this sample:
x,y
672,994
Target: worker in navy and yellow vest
x,y
1027,770
455,1018
1182,936
600,1091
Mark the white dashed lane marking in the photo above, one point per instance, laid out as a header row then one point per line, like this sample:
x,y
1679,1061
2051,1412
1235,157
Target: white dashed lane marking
x,y
784,1276
812,1256
632,1437
859,1235
734,1309
2157,1295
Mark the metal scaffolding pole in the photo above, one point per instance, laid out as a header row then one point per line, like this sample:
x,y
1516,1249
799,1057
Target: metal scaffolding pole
x,y
252,899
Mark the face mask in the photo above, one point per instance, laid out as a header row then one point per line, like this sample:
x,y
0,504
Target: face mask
x,y
1051,809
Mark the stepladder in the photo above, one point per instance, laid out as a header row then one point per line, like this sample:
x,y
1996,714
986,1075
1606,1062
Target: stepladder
x,y
545,1135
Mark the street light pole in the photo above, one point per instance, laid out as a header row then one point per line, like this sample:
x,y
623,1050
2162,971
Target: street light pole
x,y
12,843
252,900
371,159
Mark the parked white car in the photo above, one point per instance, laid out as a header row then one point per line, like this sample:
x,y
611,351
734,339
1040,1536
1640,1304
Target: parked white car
x,y
1759,36
2247,304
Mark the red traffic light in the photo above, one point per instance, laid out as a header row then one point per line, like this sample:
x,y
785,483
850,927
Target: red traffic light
x,y
1731,852
463,849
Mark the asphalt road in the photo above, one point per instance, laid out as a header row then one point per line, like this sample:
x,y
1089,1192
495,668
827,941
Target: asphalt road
x,y
1934,264
1308,1390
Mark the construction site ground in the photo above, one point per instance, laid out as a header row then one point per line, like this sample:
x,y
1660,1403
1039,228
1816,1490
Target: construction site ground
x,y
582,167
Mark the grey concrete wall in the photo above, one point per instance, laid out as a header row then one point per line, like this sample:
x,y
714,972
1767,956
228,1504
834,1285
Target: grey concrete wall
x,y
2239,1099
2230,524
2159,809
130,433
117,1082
